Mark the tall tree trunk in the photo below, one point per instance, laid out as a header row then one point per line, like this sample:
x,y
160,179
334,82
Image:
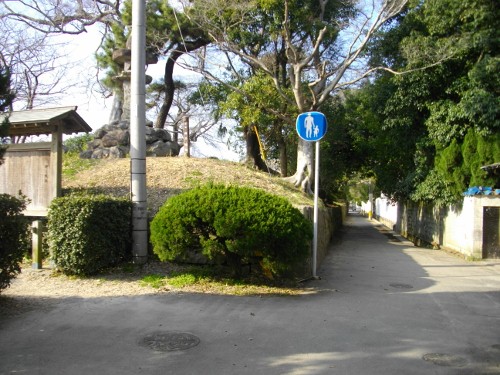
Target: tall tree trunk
x,y
116,112
304,175
254,157
175,53
169,89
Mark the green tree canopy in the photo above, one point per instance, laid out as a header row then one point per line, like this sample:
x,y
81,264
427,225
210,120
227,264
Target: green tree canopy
x,y
444,119
296,44
6,98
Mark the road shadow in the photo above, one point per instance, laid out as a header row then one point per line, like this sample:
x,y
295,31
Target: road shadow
x,y
380,307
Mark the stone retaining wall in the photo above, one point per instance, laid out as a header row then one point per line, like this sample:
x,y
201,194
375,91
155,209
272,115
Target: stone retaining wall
x,y
330,219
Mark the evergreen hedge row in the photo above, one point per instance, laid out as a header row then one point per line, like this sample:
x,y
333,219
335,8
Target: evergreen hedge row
x,y
238,224
14,237
88,233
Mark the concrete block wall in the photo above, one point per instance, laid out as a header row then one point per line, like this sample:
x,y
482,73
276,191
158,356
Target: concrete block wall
x,y
330,219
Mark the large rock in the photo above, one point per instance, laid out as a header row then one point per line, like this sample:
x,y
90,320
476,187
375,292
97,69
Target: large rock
x,y
116,138
163,135
113,141
109,140
99,133
95,143
160,148
100,153
117,152
151,136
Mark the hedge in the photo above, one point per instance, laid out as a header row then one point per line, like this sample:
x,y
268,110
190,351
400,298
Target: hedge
x,y
88,233
14,237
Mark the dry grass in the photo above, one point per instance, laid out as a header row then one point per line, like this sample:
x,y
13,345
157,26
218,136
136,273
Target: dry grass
x,y
170,176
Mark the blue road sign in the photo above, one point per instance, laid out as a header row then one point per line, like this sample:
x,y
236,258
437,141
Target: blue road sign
x,y
311,126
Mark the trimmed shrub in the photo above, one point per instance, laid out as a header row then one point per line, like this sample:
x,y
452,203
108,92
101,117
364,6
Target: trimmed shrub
x,y
235,223
89,233
14,238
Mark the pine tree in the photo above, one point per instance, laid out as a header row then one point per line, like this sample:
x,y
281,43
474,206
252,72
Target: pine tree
x,y
6,99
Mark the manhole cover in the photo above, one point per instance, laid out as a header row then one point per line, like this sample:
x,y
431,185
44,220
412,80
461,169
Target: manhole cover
x,y
169,341
442,359
401,286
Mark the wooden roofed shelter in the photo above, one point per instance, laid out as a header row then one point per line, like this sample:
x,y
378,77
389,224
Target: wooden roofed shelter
x,y
34,169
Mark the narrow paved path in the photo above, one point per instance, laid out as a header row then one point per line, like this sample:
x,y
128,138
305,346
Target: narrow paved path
x,y
382,306
416,303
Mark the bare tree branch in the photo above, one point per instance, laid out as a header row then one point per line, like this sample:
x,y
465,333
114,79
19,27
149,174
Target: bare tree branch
x,y
60,16
388,10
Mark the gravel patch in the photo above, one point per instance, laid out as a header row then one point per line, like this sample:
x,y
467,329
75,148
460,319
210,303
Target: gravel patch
x,y
43,289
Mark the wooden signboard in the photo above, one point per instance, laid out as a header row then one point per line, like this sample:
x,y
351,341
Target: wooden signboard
x,y
34,169
28,170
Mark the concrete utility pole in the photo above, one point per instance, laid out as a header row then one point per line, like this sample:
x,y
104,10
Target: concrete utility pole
x,y
138,134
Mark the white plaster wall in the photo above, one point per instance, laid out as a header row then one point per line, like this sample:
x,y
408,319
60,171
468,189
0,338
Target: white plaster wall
x,y
365,207
458,228
386,209
461,227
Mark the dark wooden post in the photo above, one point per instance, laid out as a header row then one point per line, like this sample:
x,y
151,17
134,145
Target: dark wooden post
x,y
185,132
56,162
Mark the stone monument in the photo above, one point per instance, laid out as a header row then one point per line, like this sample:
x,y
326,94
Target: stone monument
x,y
113,140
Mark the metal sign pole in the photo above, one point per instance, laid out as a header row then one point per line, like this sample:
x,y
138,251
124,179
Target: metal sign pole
x,y
315,215
311,127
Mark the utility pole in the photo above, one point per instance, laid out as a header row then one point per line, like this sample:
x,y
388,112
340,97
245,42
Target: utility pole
x,y
138,191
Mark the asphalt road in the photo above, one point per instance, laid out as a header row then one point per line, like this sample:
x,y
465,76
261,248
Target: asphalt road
x,y
382,306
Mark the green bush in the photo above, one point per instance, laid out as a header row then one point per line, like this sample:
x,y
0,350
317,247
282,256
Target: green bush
x,y
77,143
88,233
235,223
13,237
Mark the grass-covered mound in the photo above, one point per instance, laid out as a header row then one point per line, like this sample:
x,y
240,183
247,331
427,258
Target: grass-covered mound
x,y
167,177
